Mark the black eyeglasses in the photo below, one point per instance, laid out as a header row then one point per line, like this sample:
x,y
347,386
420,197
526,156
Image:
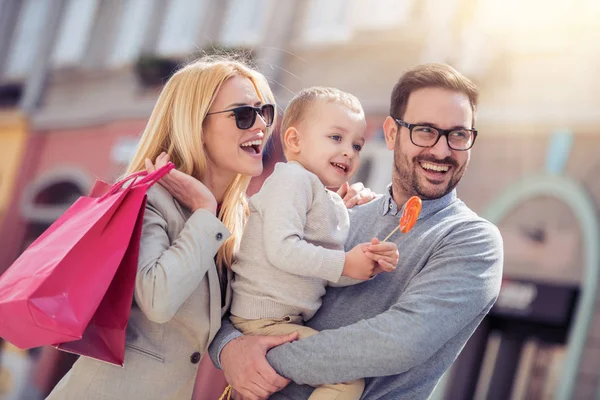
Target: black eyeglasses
x,y
245,116
428,136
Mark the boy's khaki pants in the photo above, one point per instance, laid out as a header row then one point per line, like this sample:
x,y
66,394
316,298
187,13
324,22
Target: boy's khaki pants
x,y
293,323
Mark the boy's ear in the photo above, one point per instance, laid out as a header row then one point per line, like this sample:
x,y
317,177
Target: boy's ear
x,y
291,140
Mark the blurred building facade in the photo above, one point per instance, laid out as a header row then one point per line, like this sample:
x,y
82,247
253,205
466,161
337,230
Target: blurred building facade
x,y
79,78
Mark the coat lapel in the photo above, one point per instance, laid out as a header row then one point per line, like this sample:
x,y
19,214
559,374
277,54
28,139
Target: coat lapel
x,y
215,311
215,302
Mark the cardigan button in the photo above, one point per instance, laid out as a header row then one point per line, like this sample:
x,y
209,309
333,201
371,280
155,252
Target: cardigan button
x,y
219,236
195,358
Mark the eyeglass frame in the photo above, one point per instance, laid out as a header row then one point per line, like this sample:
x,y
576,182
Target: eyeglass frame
x,y
257,111
441,132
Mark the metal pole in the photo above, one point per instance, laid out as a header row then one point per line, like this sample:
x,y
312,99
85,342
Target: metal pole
x,y
35,84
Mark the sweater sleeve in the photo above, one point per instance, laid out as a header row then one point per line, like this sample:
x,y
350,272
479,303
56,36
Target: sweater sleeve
x,y
459,283
168,272
284,202
345,281
226,334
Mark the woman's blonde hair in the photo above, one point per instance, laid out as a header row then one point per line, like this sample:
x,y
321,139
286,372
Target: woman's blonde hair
x,y
176,127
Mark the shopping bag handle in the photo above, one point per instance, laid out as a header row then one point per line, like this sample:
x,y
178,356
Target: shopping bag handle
x,y
120,183
148,178
157,175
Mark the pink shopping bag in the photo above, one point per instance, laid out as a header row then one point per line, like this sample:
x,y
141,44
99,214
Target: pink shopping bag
x,y
73,286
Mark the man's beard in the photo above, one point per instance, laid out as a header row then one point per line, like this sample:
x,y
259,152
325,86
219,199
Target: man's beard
x,y
407,179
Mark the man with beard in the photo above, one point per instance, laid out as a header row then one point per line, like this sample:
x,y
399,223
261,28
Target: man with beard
x,y
400,330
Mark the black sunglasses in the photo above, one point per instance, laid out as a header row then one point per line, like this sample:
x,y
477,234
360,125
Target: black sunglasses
x,y
245,116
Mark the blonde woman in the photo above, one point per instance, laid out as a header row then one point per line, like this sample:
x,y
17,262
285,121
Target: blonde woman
x,y
211,120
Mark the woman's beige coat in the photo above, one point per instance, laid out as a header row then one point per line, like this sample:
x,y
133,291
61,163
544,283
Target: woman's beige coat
x,y
176,314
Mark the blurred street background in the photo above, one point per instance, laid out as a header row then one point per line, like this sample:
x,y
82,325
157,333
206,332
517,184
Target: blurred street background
x,y
79,78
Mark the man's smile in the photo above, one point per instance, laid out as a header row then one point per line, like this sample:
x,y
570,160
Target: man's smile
x,y
434,167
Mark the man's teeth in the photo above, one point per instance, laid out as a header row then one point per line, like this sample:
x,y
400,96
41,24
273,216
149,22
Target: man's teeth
x,y
435,167
340,166
252,143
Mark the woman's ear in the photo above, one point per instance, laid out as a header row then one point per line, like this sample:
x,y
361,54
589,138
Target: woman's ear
x,y
291,140
390,130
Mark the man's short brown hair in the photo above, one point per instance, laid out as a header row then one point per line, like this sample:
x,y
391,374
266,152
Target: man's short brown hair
x,y
431,75
300,105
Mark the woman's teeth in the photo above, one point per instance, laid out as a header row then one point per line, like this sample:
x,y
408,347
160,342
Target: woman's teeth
x,y
252,143
252,146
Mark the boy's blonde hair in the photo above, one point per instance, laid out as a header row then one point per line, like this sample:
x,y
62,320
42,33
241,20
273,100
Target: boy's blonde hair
x,y
301,104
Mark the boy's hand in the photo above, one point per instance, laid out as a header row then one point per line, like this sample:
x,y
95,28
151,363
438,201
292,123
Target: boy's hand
x,y
384,254
357,264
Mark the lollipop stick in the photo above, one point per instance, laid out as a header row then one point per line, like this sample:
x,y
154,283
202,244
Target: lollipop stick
x,y
391,233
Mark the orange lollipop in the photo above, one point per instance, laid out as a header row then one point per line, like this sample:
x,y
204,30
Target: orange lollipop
x,y
409,217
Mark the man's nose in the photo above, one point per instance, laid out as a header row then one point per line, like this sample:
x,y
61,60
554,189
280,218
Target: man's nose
x,y
441,149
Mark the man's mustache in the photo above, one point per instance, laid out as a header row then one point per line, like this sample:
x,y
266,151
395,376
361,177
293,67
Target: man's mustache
x,y
448,160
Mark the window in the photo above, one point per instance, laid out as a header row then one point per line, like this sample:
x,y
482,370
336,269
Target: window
x,y
27,38
521,27
380,14
438,18
133,27
327,21
591,7
524,15
124,149
181,27
74,33
245,22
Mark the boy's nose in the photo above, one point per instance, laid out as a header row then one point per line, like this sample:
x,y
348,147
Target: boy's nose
x,y
347,151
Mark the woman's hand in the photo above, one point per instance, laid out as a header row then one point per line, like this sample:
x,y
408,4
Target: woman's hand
x,y
355,194
188,190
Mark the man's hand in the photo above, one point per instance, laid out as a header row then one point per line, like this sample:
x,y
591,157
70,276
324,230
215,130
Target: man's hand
x,y
355,194
246,367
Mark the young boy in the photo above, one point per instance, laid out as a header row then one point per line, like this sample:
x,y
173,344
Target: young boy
x,y
293,243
